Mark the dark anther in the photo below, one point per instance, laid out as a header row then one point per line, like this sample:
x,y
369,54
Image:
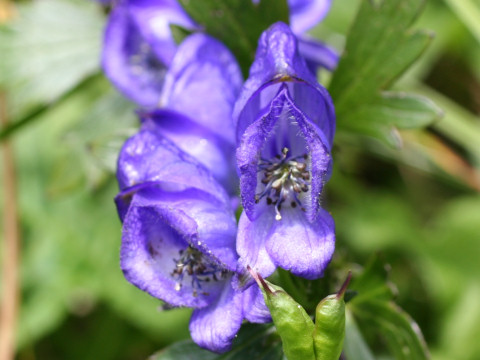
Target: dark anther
x,y
199,267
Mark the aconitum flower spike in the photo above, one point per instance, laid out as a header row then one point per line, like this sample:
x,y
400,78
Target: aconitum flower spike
x,y
285,123
139,46
178,238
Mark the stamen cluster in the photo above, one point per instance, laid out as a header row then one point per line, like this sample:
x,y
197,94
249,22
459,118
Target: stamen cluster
x,y
199,267
285,178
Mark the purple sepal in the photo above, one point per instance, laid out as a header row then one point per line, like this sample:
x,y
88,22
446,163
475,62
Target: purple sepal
x,y
125,197
149,157
251,248
294,243
211,150
305,14
300,246
255,309
203,83
277,61
215,326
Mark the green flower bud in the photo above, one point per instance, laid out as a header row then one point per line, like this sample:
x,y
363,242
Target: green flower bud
x,y
329,331
293,324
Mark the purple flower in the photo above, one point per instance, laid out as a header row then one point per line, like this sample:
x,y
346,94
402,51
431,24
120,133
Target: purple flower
x,y
178,238
139,46
285,124
200,90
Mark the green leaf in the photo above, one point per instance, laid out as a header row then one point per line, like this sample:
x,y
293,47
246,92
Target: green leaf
x,y
374,310
402,334
48,48
454,233
253,342
380,47
458,125
237,23
372,283
394,110
354,345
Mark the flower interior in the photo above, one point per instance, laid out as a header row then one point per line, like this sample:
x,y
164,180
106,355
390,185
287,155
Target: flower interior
x,y
198,267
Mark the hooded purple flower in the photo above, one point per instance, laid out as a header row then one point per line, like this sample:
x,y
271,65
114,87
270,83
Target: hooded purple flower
x,y
178,238
285,124
139,46
201,87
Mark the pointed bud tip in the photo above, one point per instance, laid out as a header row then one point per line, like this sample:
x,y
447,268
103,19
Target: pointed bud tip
x,y
259,279
344,287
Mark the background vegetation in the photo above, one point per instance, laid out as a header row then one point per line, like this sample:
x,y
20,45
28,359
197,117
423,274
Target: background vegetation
x,y
418,207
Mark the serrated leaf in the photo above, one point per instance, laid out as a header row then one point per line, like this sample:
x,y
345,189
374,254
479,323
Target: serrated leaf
x,y
380,47
48,48
237,23
253,342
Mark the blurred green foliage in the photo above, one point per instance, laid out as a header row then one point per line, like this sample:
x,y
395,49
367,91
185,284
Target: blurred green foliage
x,y
418,206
